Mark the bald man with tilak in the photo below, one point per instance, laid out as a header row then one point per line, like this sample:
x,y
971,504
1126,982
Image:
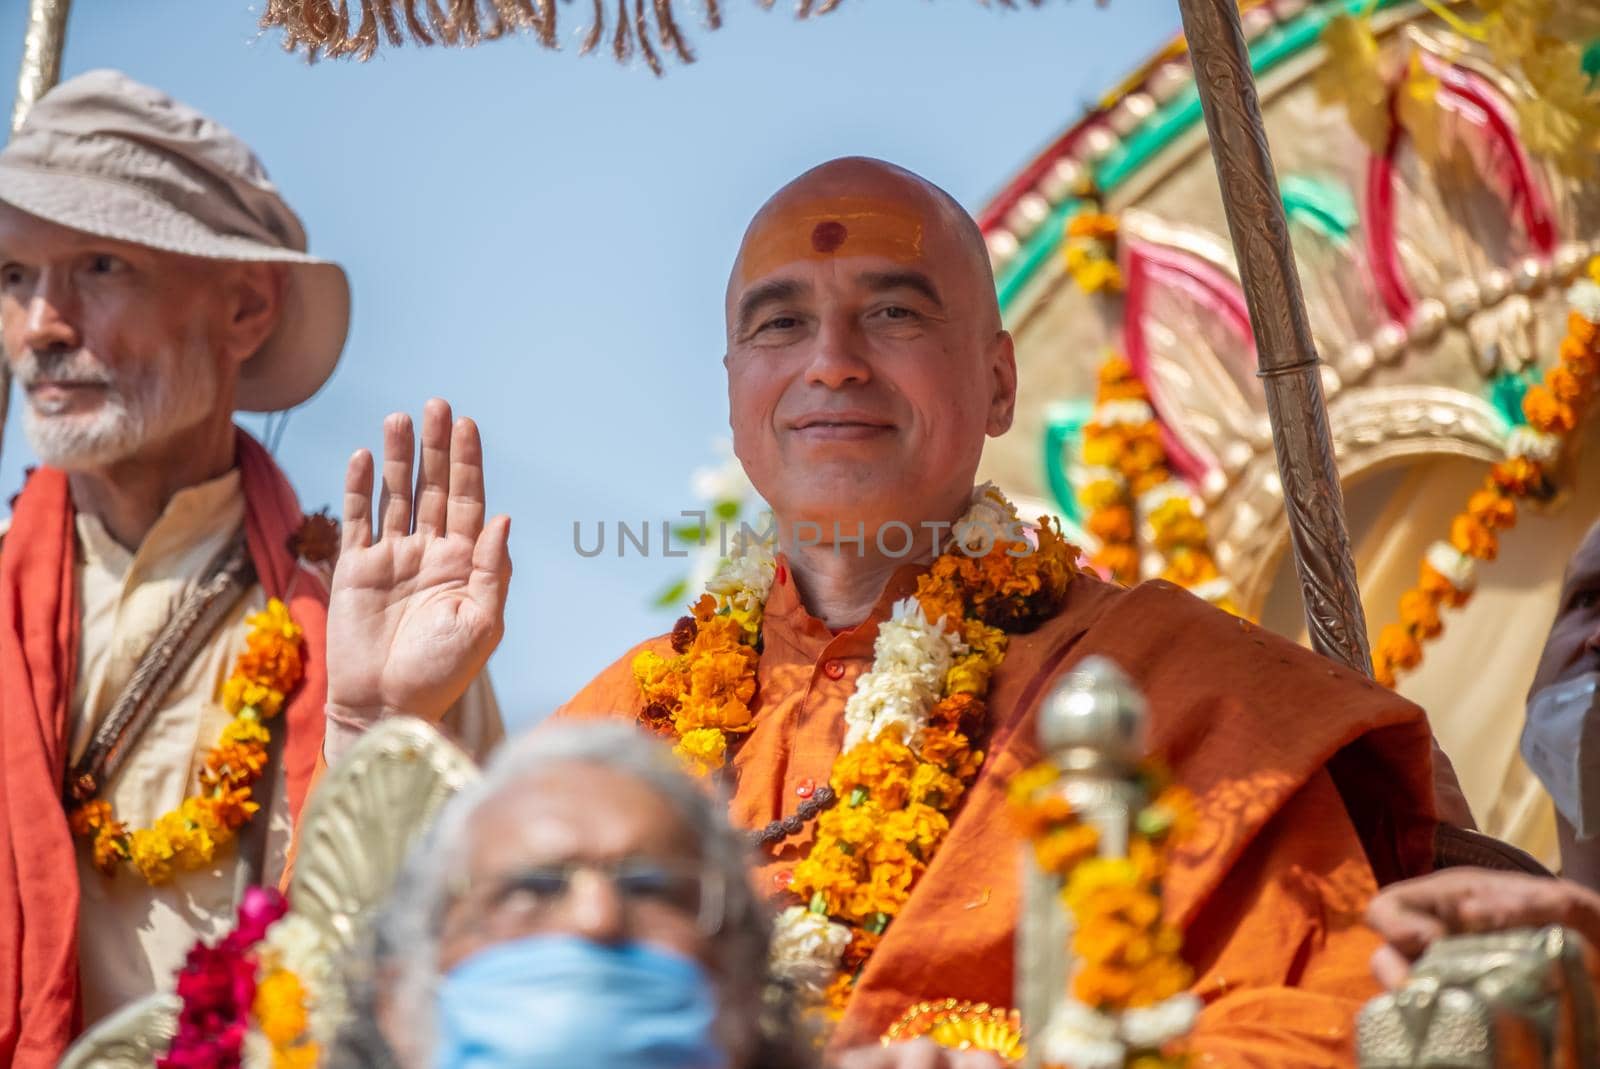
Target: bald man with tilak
x,y
866,365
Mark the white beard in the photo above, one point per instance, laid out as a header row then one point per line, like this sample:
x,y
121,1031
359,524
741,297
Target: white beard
x,y
170,393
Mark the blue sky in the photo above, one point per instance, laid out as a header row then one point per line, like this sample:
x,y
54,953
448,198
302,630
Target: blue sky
x,y
544,239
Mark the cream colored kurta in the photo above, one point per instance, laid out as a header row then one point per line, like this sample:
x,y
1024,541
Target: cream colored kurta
x,y
132,937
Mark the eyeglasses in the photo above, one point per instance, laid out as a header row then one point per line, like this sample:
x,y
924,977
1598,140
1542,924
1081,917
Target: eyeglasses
x,y
652,893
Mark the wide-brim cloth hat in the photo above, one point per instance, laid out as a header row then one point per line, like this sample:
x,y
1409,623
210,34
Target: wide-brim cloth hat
x,y
105,155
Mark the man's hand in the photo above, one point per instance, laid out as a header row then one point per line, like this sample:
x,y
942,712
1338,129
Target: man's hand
x,y
919,1054
414,615
1411,915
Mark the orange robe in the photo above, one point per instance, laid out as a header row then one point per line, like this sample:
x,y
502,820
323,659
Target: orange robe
x,y
1314,786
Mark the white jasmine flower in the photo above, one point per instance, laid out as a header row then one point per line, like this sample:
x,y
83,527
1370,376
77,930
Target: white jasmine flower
x,y
745,577
1584,297
908,642
807,948
1459,570
987,520
1125,412
1152,1026
884,698
1534,444
1082,1038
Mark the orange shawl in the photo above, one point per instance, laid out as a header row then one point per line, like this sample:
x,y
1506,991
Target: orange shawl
x,y
38,669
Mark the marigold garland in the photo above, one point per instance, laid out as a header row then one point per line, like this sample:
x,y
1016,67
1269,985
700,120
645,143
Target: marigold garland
x,y
1091,252
1554,410
188,837
1126,479
1130,981
909,753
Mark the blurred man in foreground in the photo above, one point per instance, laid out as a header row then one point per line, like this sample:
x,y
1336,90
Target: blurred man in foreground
x,y
584,904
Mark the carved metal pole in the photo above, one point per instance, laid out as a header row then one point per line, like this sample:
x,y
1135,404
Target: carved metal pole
x,y
1284,349
42,46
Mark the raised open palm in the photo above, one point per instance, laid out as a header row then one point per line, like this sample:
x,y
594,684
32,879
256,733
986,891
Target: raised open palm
x,y
414,614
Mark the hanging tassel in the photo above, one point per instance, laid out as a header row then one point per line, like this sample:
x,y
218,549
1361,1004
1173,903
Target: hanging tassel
x,y
671,36
622,43
592,40
641,28
314,28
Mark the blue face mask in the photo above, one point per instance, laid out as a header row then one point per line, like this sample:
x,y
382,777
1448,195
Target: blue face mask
x,y
559,1002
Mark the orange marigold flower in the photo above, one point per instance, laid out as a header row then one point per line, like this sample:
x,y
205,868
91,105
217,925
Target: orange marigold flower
x,y
1096,225
1581,330
1190,567
110,848
1419,612
1119,562
1564,385
882,767
1114,524
1492,509
1473,538
1398,647
90,817
1545,412
943,747
957,712
1519,475
1436,586
1059,850
280,1008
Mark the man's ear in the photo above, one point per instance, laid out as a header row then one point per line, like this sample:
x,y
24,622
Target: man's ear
x,y
1003,383
255,299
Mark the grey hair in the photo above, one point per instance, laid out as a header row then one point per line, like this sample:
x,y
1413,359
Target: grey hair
x,y
405,941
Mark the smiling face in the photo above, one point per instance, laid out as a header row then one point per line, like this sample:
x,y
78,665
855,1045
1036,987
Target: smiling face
x,y
866,362
1573,645
116,346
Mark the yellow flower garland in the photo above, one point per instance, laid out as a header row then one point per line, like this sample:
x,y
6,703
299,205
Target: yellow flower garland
x,y
895,792
1128,957
189,836
1134,462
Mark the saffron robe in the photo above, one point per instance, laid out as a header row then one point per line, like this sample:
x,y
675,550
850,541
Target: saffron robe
x,y
1314,787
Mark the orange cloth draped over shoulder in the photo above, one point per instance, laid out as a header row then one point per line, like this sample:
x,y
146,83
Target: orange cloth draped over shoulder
x,y
1314,786
38,669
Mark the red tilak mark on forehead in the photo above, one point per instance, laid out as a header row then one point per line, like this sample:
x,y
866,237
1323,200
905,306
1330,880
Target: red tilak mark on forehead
x,y
828,236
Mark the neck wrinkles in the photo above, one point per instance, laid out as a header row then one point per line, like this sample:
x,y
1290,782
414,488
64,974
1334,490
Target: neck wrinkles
x,y
840,583
129,496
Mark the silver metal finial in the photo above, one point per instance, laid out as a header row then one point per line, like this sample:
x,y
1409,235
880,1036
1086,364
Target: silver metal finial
x,y
1095,708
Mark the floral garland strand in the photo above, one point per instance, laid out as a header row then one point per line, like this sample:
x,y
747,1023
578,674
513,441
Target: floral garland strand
x,y
1128,1003
265,997
188,837
1554,410
1124,473
908,755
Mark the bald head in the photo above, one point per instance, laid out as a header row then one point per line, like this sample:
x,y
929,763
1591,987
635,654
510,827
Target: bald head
x,y
866,358
857,206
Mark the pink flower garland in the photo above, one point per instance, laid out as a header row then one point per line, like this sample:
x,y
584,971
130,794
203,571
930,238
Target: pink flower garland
x,y
217,987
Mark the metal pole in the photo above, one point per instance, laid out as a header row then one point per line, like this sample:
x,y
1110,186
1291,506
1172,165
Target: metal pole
x,y
42,46
1284,349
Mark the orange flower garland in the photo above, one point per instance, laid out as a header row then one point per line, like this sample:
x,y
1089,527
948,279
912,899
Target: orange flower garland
x,y
908,756
1125,472
189,836
1128,957
1091,252
1554,410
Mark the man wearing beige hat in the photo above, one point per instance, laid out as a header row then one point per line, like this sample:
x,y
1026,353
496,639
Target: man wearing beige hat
x,y
163,601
